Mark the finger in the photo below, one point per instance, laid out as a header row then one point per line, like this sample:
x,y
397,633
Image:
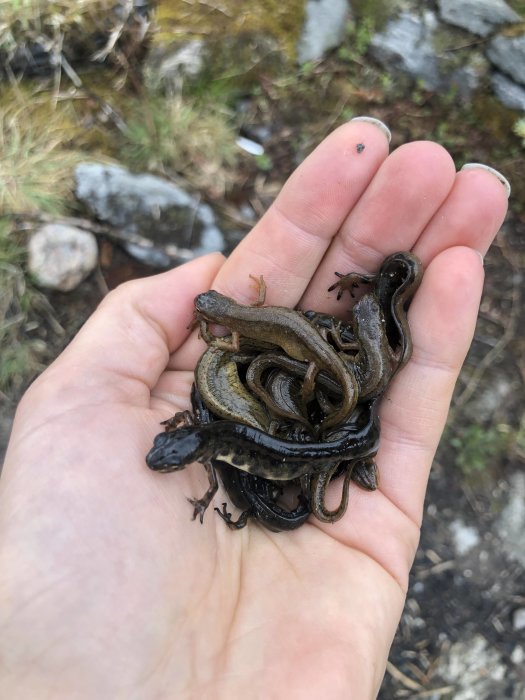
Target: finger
x,y
471,215
407,190
172,392
288,243
125,345
413,413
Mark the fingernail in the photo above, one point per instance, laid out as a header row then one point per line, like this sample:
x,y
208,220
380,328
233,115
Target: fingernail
x,y
496,173
376,122
481,257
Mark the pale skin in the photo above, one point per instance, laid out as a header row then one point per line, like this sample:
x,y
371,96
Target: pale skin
x,y
108,589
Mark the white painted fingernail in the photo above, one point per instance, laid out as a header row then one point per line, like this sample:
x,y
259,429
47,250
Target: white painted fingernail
x,y
376,122
496,173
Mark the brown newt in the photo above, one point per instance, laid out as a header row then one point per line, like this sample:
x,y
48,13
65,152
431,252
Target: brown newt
x,y
289,330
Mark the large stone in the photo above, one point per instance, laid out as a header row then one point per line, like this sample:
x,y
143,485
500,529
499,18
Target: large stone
x,y
508,92
508,54
323,29
60,257
160,221
477,16
475,669
407,44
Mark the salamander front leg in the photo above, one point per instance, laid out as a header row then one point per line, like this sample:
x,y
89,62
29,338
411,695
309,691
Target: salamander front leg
x,y
350,282
180,418
201,504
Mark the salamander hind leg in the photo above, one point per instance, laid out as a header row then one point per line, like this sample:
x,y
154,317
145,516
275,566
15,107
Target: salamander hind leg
x,y
241,521
365,474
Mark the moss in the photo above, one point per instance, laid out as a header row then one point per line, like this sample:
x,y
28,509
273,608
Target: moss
x,y
518,6
519,130
479,448
226,18
378,11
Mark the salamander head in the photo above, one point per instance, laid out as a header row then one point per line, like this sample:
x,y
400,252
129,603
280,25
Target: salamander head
x,y
401,269
174,450
212,306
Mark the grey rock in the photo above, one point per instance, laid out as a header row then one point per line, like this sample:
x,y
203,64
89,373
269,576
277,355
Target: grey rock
x,y
161,222
323,29
477,16
508,92
465,537
508,54
518,619
60,257
475,669
407,44
517,655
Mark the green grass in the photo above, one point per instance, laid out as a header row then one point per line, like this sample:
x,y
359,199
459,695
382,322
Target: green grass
x,y
18,360
36,168
176,134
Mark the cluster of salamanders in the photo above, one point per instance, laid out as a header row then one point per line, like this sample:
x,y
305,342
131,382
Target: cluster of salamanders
x,y
288,400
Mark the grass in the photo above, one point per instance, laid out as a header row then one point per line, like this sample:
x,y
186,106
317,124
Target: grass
x,y
176,134
18,360
39,20
11,250
36,167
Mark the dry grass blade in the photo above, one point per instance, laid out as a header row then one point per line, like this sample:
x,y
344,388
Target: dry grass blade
x,y
35,168
402,678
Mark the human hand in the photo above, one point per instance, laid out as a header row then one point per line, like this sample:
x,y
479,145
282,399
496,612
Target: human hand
x,y
107,588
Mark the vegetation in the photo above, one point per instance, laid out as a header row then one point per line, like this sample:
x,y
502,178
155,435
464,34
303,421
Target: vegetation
x,y
479,448
180,20
519,130
18,360
35,164
172,134
97,100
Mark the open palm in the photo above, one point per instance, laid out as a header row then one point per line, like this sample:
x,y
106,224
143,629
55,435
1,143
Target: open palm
x,y
108,589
